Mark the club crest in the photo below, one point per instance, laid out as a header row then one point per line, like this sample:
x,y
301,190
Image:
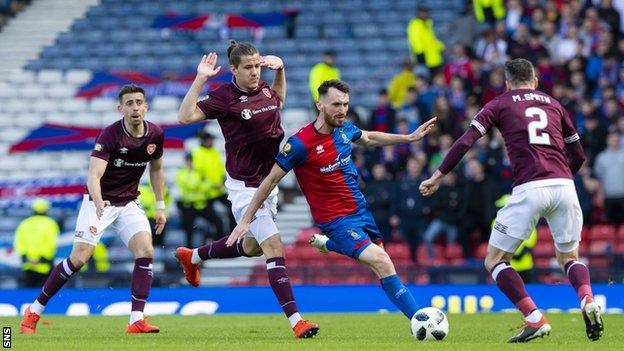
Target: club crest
x,y
151,148
266,92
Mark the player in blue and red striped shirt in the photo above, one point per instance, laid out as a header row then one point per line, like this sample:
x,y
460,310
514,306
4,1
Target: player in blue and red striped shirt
x,y
320,154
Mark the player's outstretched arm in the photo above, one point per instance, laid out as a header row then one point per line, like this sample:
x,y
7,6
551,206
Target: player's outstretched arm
x,y
189,112
157,179
268,184
97,166
279,82
372,139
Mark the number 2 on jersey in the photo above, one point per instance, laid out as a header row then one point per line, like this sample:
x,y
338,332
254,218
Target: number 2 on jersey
x,y
535,136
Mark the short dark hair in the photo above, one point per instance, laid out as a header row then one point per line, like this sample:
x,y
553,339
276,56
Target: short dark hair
x,y
236,50
333,83
519,71
129,89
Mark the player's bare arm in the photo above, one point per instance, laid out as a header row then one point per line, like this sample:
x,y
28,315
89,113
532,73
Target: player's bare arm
x,y
189,112
157,179
268,184
97,166
279,82
372,139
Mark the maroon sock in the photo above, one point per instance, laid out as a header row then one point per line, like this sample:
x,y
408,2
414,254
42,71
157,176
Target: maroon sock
x,y
218,249
511,284
276,269
578,274
142,277
57,278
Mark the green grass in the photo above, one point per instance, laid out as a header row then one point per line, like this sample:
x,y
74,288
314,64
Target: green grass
x,y
363,332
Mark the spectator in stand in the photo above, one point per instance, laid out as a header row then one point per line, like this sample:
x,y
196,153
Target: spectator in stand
x,y
586,188
519,44
379,194
458,65
447,118
322,71
409,110
476,208
400,84
445,210
490,48
426,48
550,38
515,12
383,115
464,29
609,169
495,86
409,208
593,137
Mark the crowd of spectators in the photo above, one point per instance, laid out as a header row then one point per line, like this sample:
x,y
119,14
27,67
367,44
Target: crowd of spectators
x,y
577,48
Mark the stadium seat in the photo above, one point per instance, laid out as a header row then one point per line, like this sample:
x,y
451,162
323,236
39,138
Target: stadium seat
x,y
454,254
543,234
102,105
399,253
620,234
544,249
61,92
49,77
481,251
602,232
424,259
32,91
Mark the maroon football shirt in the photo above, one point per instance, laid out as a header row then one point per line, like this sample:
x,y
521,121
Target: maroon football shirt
x,y
127,158
535,127
251,126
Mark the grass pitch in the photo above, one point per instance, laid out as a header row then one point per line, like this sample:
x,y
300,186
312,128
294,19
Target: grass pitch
x,y
363,332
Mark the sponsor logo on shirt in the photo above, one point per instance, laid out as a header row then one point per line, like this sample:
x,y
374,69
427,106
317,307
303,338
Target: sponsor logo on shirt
x,y
79,234
98,147
151,148
500,227
243,98
286,149
123,150
93,230
246,114
266,92
319,149
119,163
334,166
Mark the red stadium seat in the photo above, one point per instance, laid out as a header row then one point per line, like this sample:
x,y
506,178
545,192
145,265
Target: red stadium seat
x,y
304,235
602,232
399,253
543,234
542,262
481,251
544,249
454,254
600,253
620,234
424,259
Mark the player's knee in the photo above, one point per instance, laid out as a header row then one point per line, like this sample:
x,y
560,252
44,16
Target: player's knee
x,y
382,263
251,247
272,247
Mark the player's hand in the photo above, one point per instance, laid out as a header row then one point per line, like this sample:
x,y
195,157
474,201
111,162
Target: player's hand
x,y
238,232
423,130
271,62
99,208
206,67
160,220
429,186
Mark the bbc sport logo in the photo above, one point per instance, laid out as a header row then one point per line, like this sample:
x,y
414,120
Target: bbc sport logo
x,y
6,337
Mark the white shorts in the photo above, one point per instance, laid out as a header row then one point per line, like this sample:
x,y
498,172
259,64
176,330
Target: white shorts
x,y
263,226
553,199
125,220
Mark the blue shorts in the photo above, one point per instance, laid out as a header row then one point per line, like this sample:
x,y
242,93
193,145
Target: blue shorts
x,y
353,233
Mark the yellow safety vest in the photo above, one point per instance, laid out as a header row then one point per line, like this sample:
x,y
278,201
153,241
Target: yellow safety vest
x,y
498,8
422,40
397,89
192,188
522,259
320,73
36,238
210,166
147,199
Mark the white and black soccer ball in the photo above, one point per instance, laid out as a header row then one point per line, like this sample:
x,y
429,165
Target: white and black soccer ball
x,y
429,323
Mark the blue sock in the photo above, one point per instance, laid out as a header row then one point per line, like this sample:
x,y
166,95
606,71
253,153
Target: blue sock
x,y
331,246
399,295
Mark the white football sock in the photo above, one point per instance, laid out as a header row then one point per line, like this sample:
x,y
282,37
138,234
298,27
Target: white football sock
x,y
36,307
195,259
534,317
136,316
294,319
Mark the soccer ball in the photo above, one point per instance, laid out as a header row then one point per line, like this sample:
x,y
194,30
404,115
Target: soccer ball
x,y
429,323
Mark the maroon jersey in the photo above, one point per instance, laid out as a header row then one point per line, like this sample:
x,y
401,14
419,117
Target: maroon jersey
x,y
251,126
127,158
535,127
